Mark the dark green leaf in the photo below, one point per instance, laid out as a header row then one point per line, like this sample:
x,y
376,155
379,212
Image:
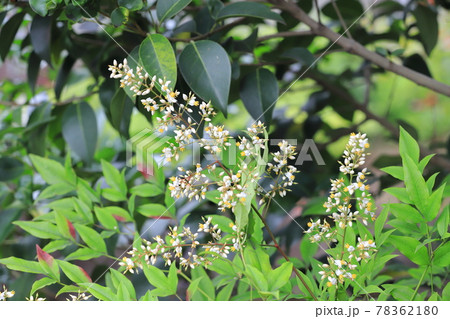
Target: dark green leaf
x,y
34,63
10,168
121,108
207,70
63,75
79,129
41,36
426,20
417,63
158,58
166,9
7,216
259,93
8,33
349,9
248,9
119,16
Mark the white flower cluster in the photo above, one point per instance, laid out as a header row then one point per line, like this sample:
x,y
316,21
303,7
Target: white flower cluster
x,y
35,298
350,188
5,294
176,242
81,296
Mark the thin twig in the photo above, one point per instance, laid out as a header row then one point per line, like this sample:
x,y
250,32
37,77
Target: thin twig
x,y
341,19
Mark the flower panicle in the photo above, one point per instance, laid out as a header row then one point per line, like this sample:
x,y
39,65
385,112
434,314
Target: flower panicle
x,y
184,246
349,202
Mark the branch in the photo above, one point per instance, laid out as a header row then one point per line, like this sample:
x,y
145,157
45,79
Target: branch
x,y
437,160
356,48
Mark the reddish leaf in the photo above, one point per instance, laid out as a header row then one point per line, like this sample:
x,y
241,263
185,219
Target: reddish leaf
x,y
71,229
86,274
119,218
144,170
43,256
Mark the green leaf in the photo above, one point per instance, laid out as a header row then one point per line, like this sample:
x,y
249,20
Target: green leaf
x,y
172,278
55,190
157,278
39,6
113,195
105,217
8,33
23,265
63,75
433,204
68,289
257,278
259,93
415,184
146,190
380,221
84,254
424,162
308,249
51,171
408,146
152,210
121,108
34,63
406,212
62,223
206,287
91,238
10,168
446,293
74,273
48,263
426,21
41,283
119,16
277,278
41,37
394,171
400,193
442,255
55,245
442,222
79,129
132,5
40,229
431,181
99,292
7,216
114,178
119,278
349,9
166,9
225,293
207,70
158,58
248,9
407,246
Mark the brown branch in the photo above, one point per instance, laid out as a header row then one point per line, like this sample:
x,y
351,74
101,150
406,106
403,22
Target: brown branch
x,y
204,36
437,160
356,48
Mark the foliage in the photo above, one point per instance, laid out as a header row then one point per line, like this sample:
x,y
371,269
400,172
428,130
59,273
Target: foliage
x,y
86,211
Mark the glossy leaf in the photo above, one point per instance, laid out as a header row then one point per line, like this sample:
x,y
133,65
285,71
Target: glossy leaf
x,y
39,6
207,70
119,16
63,75
23,265
41,37
79,129
259,93
132,5
248,9
41,283
166,9
426,20
34,63
158,58
121,108
8,33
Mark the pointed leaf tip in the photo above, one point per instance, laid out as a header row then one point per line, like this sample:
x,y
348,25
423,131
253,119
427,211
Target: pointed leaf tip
x,y
71,229
43,256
